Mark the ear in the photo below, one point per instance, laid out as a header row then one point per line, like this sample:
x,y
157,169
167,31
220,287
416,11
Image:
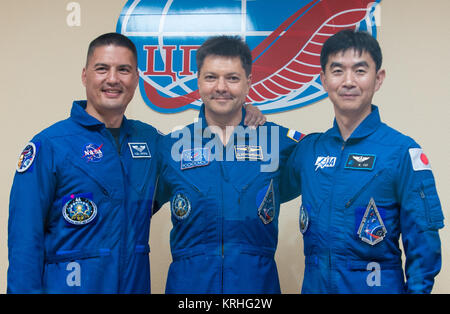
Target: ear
x,y
381,74
83,77
249,81
323,80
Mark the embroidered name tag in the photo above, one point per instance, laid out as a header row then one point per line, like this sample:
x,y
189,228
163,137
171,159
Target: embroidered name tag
x,y
197,157
360,162
247,152
139,150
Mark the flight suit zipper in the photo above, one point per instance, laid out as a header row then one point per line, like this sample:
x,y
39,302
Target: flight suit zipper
x,y
364,187
330,250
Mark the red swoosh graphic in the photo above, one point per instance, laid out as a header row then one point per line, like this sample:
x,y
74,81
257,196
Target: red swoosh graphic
x,y
289,57
292,58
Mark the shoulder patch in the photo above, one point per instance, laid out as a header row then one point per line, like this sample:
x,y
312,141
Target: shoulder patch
x,y
419,159
295,135
26,158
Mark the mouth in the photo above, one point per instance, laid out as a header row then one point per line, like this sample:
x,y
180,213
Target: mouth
x,y
349,95
112,92
221,98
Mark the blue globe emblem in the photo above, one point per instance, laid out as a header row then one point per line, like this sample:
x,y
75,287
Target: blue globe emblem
x,y
285,38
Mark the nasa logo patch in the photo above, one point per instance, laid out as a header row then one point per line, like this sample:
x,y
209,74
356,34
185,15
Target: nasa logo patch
x,y
285,37
26,158
92,152
79,210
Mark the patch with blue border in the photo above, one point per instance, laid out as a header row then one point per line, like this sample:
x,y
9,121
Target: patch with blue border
x,y
139,150
197,157
79,209
360,162
27,157
181,206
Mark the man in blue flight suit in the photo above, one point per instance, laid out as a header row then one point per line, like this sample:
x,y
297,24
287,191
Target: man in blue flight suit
x,y
223,183
363,185
81,200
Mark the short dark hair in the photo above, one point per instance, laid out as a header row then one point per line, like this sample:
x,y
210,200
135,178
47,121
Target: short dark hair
x,y
225,46
347,39
114,39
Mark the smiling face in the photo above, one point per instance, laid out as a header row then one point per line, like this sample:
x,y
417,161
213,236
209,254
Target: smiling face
x,y
223,86
351,80
110,78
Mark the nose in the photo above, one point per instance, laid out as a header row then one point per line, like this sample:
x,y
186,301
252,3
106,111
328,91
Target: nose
x,y
221,85
112,77
349,80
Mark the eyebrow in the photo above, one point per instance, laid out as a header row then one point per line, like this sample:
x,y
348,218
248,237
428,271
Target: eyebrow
x,y
107,65
356,65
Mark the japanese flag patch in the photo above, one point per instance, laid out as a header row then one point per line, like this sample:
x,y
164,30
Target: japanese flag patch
x,y
419,159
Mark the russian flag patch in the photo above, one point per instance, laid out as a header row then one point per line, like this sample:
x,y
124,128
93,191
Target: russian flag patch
x,y
295,135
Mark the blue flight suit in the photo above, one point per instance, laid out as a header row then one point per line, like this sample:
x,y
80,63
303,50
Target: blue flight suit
x,y
80,208
225,203
358,197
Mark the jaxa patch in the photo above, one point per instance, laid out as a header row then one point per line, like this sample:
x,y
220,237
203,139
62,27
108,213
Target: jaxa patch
x,y
197,157
79,210
303,219
266,210
360,162
92,152
372,229
181,207
26,158
139,150
295,135
325,162
248,152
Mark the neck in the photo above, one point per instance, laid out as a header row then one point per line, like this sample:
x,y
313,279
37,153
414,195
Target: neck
x,y
110,119
348,121
223,125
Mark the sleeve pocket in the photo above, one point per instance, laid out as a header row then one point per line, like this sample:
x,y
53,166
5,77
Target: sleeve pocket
x,y
430,199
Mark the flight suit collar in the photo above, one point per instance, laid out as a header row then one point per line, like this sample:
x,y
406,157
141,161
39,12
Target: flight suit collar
x,y
364,129
202,116
202,119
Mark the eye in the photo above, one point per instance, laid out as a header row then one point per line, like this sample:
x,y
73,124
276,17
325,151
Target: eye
x,y
209,77
233,78
101,70
124,70
361,71
336,71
